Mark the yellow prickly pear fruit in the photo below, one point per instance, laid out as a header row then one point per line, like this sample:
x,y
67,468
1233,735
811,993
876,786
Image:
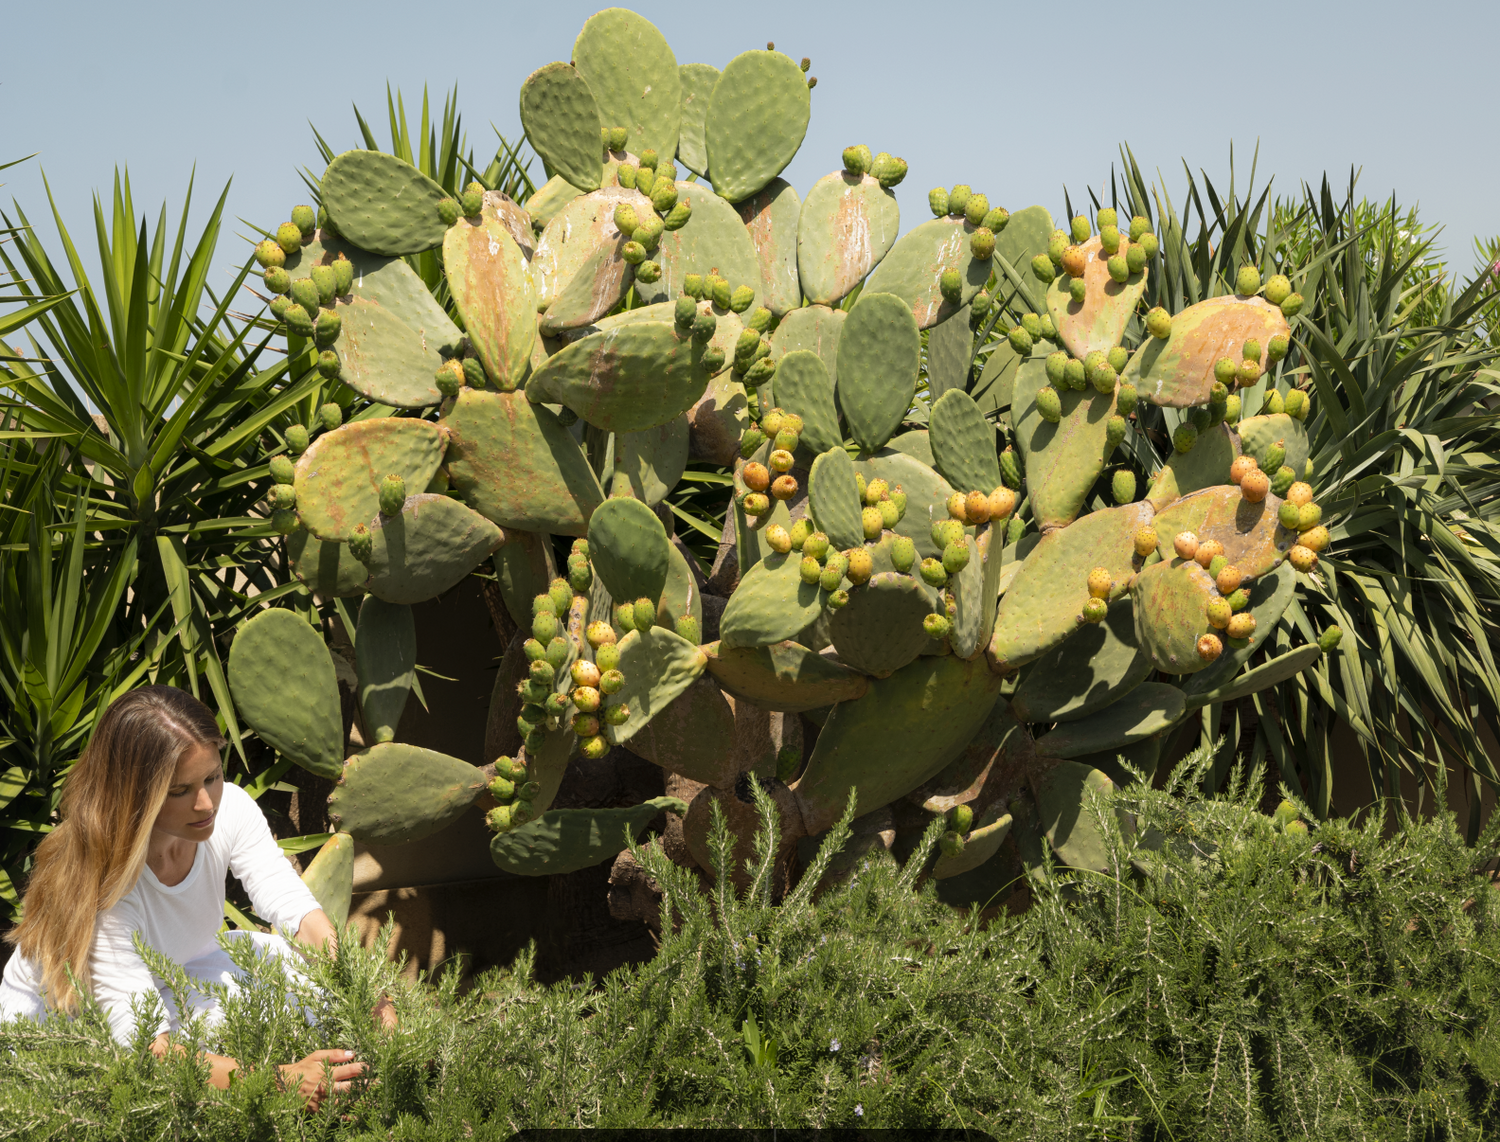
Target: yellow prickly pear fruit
x,y
1278,289
903,554
976,508
859,565
1159,323
1074,262
1138,226
1081,230
976,209
1247,281
982,244
1185,544
1228,579
1208,551
958,198
1100,583
1109,239
1315,539
270,254
1122,486
1219,613
956,556
951,286
1002,503
1241,625
1241,466
1049,404
937,199
1145,541
1095,611
1210,647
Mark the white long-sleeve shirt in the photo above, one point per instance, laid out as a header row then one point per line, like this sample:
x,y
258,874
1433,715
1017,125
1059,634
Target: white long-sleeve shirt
x,y
181,921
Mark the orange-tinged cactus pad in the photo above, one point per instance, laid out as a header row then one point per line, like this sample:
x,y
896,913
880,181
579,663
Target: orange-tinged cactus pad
x,y
1179,372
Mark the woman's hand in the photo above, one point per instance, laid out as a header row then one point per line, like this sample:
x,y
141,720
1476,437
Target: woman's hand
x,y
320,1074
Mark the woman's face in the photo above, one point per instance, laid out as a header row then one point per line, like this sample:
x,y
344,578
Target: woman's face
x,y
192,803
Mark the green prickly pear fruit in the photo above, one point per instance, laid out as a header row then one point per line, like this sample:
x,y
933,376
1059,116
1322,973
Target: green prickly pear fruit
x,y
903,554
1049,404
289,237
544,627
958,198
742,298
627,175
562,595
1226,371
1150,244
956,556
951,286
283,471
1078,291
305,294
1278,289
296,440
1135,259
1075,375
976,209
471,201
982,244
1159,323
648,272
996,219
687,627
664,196
937,627
1042,268
933,573
299,321
325,281
961,819
858,160
937,199
1247,281
1109,239
1095,610
1057,367
326,331
1119,268
1184,437
1126,399
331,416
1123,486
270,254
1020,339
888,170
1138,226
277,280
1057,246
1081,230
283,496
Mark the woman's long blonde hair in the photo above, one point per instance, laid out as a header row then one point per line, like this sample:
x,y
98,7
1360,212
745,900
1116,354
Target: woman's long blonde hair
x,y
95,853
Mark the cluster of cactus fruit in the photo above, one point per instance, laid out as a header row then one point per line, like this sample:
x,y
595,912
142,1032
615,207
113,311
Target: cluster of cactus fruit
x,y
914,604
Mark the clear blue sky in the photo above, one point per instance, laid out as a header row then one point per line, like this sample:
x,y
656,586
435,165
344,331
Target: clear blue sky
x,y
1006,97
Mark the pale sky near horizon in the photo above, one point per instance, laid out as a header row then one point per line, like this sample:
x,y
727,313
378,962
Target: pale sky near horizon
x,y
1008,98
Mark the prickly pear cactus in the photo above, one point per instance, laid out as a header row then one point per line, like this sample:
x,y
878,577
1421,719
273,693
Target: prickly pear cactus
x,y
960,595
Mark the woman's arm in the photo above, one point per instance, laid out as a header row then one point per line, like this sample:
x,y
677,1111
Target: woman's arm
x,y
314,1077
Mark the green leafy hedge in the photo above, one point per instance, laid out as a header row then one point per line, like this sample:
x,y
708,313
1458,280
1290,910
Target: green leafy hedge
x,y
1233,981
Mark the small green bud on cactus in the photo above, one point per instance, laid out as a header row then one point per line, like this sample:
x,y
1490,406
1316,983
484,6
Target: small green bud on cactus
x,y
1125,399
1122,486
937,200
289,237
982,244
270,254
1159,323
1247,281
1081,230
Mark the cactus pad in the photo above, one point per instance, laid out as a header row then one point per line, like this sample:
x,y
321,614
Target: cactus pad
x,y
697,80
1205,465
771,216
1064,459
648,464
1253,539
802,386
392,793
1144,712
903,731
658,666
881,352
880,629
382,204
514,463
714,240
338,477
566,840
633,75
433,543
1099,323
491,286
1041,607
1171,614
1094,668
916,264
833,496
1179,372
326,567
963,442
385,658
783,676
815,328
561,120
848,223
629,549
757,117
771,604
282,679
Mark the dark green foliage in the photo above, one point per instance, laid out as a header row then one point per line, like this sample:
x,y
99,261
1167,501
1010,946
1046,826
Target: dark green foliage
x,y
1238,982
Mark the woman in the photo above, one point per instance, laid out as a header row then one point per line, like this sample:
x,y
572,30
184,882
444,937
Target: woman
x,y
148,829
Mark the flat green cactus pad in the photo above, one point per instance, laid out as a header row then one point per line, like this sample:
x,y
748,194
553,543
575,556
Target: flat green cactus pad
x,y
338,477
816,328
1064,459
680,596
549,200
383,358
968,636
771,604
524,566
1043,604
880,629
979,846
1144,712
963,443
648,464
561,120
392,793
428,548
325,567
901,733
633,74
491,286
692,736
1171,614
802,386
950,348
995,757
385,658
848,223
1179,372
1099,322
697,81
1205,465
926,494
771,215
914,268
514,463
566,840
330,877
1269,673
584,226
1025,236
757,117
881,351
658,666
714,240
1270,595
833,498
282,680
1093,669
1259,433
383,204
783,676
1066,817
628,547
626,379
1253,539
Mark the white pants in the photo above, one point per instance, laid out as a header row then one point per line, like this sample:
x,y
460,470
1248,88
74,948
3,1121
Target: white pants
x,y
20,997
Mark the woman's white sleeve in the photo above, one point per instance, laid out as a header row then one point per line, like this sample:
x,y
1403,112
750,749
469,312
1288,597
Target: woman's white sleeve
x,y
276,891
120,976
